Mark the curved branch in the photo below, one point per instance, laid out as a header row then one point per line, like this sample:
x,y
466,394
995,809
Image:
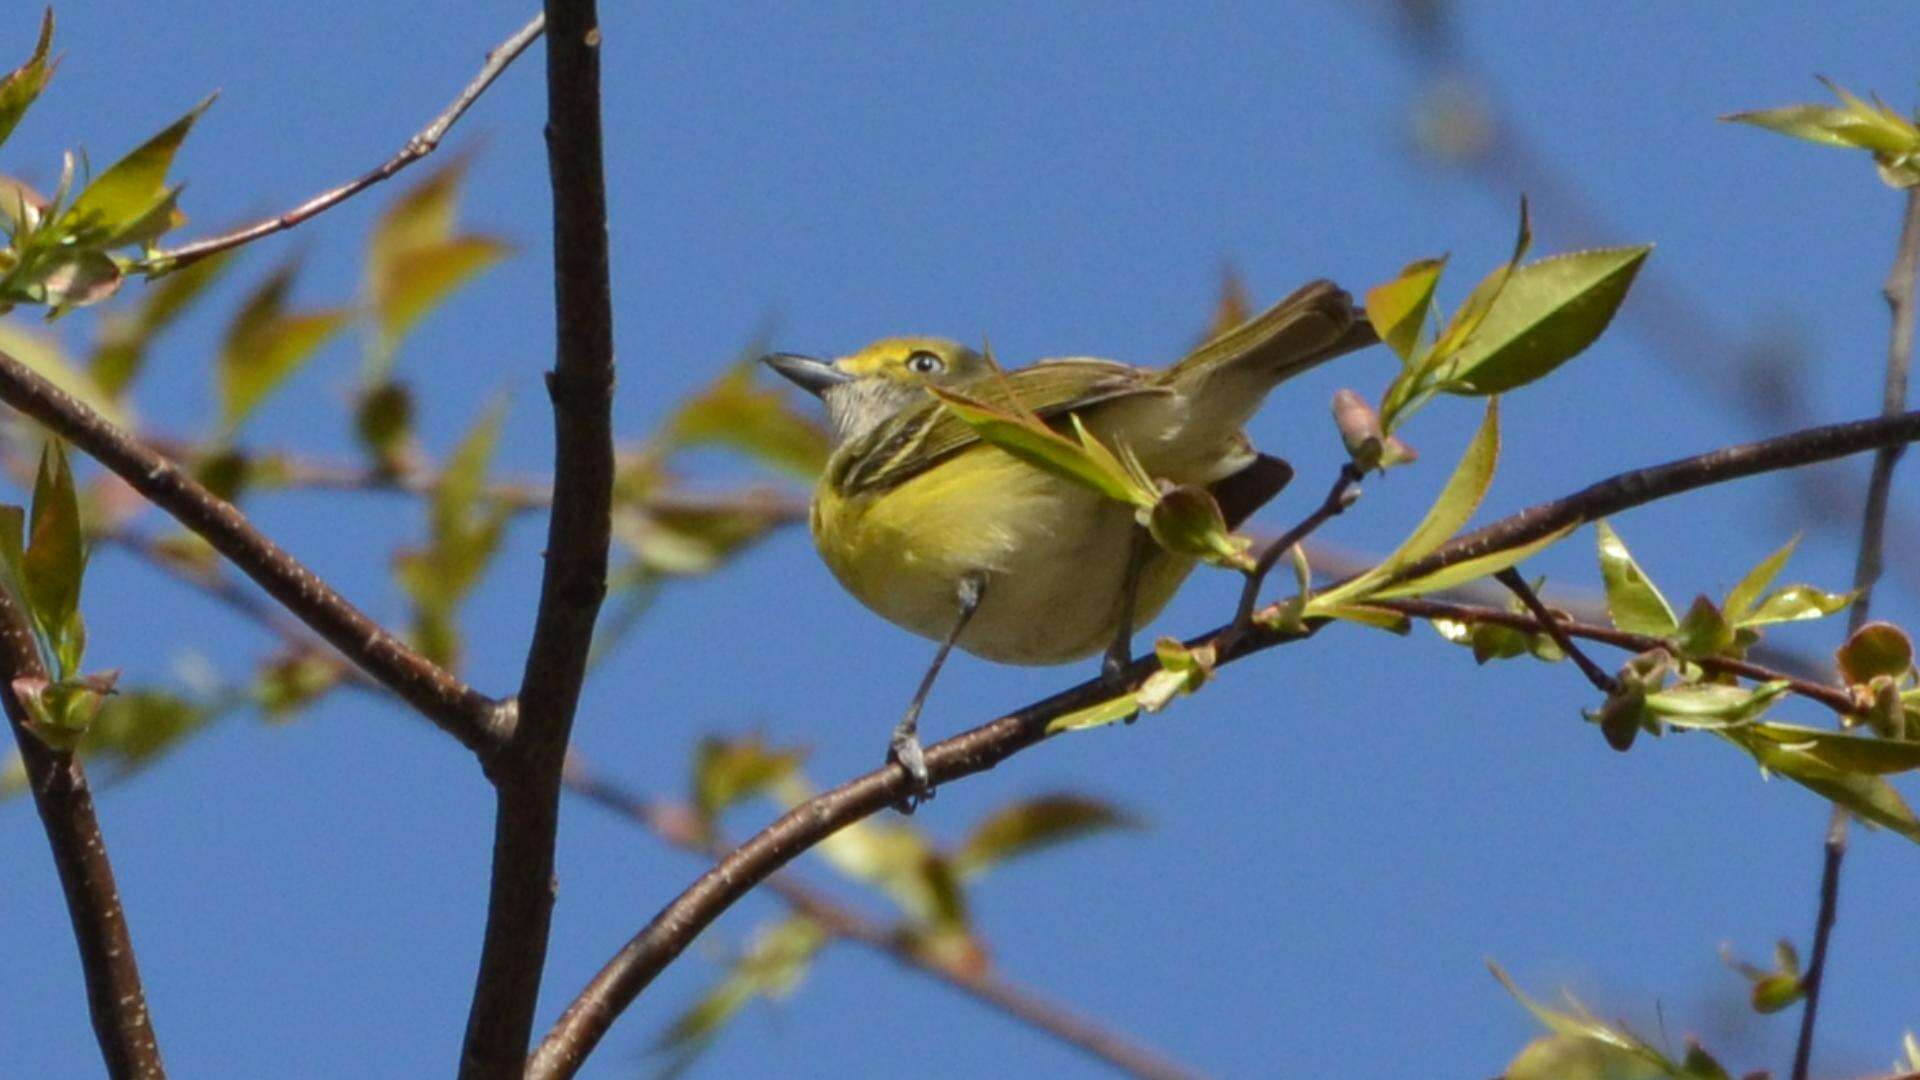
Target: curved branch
x,y
677,825
424,142
590,1015
115,998
526,771
463,712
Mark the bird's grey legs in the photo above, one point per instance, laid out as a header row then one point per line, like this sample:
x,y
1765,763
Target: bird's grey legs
x,y
1120,652
905,744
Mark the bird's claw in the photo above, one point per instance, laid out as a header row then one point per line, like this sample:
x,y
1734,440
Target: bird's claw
x,y
905,751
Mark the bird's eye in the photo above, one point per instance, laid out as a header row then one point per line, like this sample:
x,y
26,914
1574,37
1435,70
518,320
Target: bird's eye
x,y
925,363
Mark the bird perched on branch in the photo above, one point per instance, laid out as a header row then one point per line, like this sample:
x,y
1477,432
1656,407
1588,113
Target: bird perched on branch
x,y
963,542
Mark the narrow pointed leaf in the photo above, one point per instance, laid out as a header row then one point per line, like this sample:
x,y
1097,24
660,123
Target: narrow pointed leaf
x,y
55,556
266,344
1038,445
132,186
1475,568
24,83
1453,509
1795,603
1030,825
1741,598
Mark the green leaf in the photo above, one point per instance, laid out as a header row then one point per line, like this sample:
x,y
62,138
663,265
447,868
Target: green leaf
x,y
1479,303
727,772
1704,631
1878,648
1182,671
265,344
464,531
1033,442
383,421
1475,568
1814,123
422,278
1706,705
1633,603
1029,825
1187,520
56,555
691,540
124,336
1624,1049
1547,314
1795,603
1741,598
1399,310
1453,509
773,965
1100,714
415,260
136,728
127,193
763,423
24,83
1824,762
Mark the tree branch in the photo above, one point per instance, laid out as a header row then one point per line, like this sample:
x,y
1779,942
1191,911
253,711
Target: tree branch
x,y
526,771
1834,698
1899,291
424,142
587,1019
115,998
463,712
677,825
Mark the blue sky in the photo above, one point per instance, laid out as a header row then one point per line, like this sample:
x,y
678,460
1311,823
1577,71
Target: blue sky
x,y
1340,833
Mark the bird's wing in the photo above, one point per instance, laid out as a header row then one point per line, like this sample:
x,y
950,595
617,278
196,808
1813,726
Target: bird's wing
x,y
921,436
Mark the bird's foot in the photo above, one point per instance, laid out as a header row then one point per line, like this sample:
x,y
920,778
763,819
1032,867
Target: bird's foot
x,y
904,750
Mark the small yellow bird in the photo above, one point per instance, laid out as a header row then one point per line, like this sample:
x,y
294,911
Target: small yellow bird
x,y
960,541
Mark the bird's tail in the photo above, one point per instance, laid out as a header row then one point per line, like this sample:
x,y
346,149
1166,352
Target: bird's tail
x,y
1315,324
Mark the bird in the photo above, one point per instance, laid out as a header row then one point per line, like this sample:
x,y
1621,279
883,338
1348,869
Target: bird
x,y
951,537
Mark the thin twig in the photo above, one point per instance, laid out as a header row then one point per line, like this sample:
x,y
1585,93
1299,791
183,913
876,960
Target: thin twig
x,y
677,825
1603,682
463,712
115,998
588,1018
1339,497
1899,293
1833,697
424,142
526,772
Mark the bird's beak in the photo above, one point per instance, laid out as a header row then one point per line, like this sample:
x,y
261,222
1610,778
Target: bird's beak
x,y
816,377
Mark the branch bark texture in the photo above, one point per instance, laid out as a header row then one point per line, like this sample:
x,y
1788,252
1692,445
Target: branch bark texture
x,y
526,770
116,1000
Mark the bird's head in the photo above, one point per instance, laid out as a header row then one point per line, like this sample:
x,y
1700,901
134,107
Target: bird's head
x,y
864,388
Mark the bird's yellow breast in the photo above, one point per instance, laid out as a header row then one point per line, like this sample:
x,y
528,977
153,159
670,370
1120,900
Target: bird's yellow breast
x,y
1053,554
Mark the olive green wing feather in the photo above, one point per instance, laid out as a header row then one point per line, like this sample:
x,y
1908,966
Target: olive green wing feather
x,y
923,435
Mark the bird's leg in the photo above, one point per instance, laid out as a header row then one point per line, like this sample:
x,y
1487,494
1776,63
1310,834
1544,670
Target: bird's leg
x,y
904,747
1120,653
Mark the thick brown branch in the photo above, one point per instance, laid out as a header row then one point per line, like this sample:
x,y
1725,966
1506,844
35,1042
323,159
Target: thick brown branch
x,y
1899,291
677,825
473,718
526,773
115,998
424,142
630,970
